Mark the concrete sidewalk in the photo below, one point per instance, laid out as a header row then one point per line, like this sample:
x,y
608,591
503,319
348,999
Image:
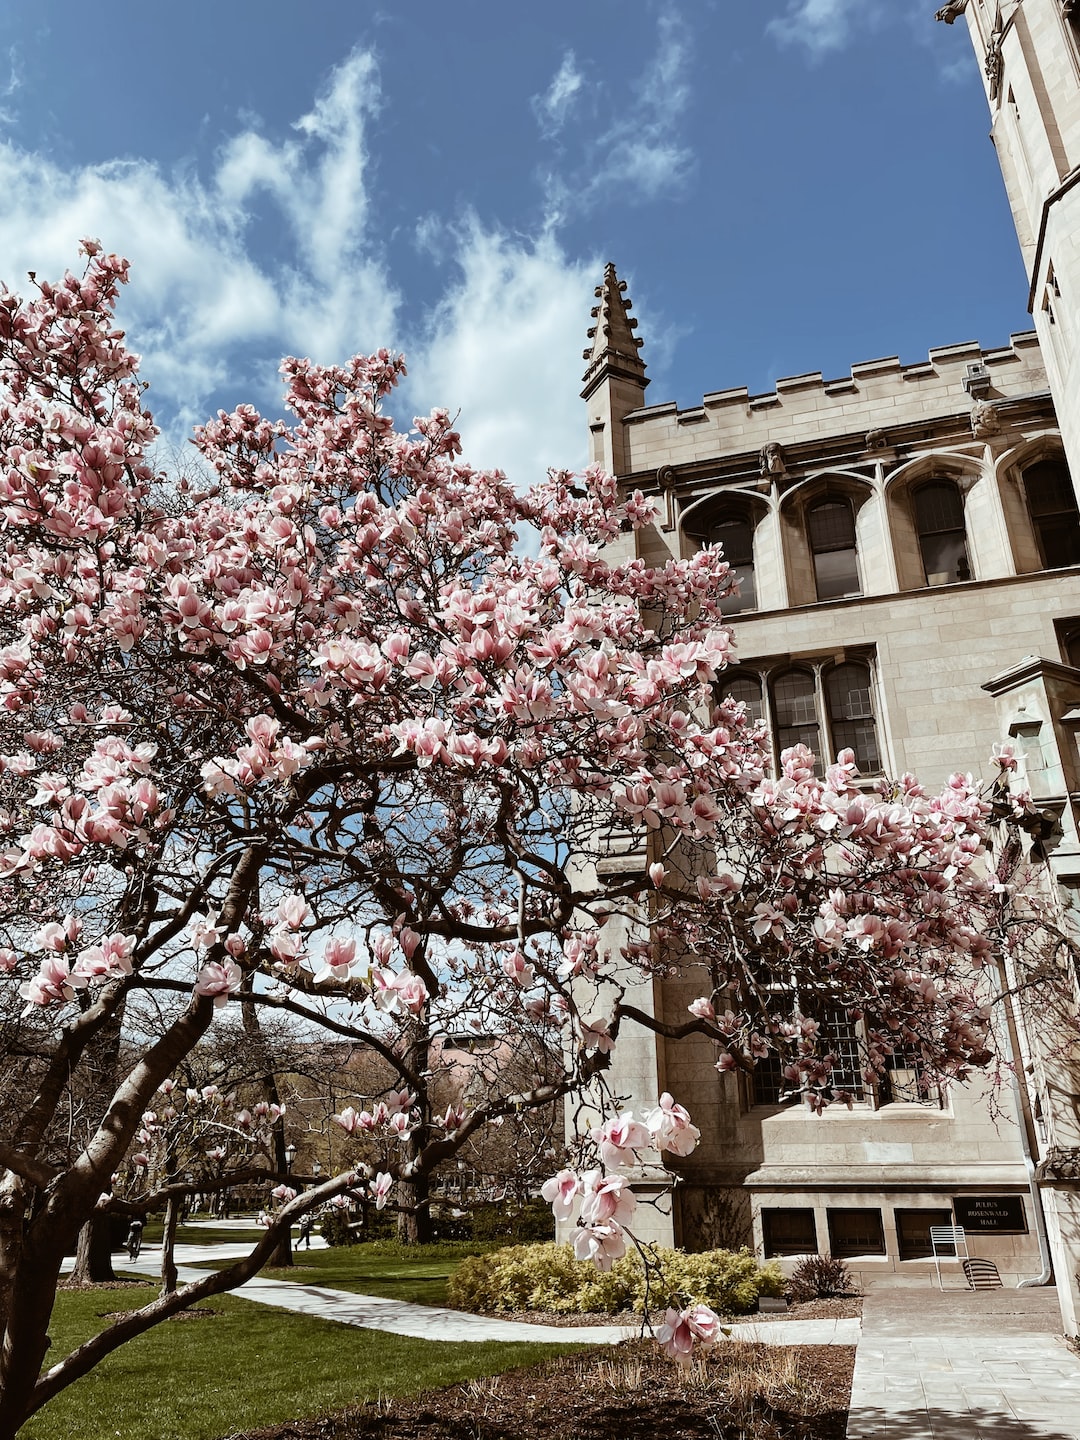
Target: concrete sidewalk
x,y
954,1364
429,1322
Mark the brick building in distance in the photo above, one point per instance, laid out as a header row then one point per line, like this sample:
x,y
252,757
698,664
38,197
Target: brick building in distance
x,y
907,541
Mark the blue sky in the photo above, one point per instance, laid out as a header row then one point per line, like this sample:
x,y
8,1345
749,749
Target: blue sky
x,y
787,185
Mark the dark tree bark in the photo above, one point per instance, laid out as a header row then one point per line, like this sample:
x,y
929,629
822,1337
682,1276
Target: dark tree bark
x,y
93,1255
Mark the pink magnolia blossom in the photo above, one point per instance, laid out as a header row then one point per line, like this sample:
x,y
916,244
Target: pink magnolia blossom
x,y
602,1244
379,1188
670,1127
607,1199
220,981
619,1139
561,1191
682,1330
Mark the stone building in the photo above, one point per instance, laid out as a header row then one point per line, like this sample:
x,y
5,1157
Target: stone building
x,y
907,541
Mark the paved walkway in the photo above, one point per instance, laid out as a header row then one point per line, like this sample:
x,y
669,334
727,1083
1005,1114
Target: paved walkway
x,y
951,1365
429,1322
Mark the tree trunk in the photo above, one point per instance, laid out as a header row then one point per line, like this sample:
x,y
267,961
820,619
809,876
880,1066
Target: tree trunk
x,y
414,1223
282,1257
168,1247
93,1255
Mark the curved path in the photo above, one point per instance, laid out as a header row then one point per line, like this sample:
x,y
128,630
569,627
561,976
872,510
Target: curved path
x,y
429,1322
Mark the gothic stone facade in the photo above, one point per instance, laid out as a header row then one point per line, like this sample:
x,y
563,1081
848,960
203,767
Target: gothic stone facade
x,y
903,545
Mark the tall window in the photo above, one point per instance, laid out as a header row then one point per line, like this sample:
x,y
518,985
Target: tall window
x,y
746,688
831,524
839,1035
849,698
736,537
795,712
939,520
905,1081
1052,503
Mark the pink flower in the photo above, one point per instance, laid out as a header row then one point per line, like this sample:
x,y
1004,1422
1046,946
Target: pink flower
x,y
596,1036
619,1139
380,1188
607,1199
657,874
560,1192
283,1194
349,1120
671,1129
602,1244
517,968
684,1329
220,981
703,1008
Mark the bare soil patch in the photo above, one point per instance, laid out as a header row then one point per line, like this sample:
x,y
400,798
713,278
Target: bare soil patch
x,y
630,1392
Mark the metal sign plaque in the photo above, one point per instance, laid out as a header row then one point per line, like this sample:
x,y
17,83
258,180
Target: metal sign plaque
x,y
1004,1214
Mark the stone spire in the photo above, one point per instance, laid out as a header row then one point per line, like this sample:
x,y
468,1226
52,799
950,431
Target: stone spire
x,y
613,351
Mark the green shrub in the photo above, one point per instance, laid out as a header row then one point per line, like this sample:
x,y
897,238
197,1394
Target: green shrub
x,y
523,1224
548,1277
335,1229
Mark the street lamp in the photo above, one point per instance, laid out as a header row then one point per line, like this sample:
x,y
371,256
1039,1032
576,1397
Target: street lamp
x,y
290,1156
316,1169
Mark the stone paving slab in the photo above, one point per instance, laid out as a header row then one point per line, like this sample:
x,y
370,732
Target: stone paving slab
x,y
936,1366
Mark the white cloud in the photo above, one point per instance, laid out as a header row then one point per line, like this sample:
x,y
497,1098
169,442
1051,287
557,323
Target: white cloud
x,y
199,295
504,345
212,305
552,109
824,26
639,153
642,150
820,25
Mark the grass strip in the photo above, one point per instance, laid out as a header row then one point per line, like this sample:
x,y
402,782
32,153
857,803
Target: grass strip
x,y
416,1274
243,1366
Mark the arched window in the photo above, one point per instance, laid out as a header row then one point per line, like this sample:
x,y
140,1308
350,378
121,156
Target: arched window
x,y
939,520
735,535
1052,505
795,712
849,700
831,526
746,688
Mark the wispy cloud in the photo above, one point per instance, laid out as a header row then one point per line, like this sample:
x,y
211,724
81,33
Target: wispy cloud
x,y
819,25
553,108
636,150
822,27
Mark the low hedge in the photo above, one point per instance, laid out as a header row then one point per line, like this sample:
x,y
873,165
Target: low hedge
x,y
549,1277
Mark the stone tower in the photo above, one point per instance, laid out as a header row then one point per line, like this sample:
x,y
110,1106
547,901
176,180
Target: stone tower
x,y
614,378
1029,51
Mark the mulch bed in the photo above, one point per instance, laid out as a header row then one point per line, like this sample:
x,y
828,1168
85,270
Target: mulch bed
x,y
846,1307
629,1392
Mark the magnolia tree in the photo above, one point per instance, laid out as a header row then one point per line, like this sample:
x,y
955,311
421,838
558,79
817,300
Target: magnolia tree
x,y
325,740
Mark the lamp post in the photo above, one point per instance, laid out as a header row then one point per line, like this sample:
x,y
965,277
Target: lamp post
x,y
290,1156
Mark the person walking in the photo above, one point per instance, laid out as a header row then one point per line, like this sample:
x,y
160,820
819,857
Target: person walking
x,y
134,1238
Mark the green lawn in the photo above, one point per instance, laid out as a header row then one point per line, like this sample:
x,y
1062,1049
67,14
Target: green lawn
x,y
204,1233
243,1367
383,1267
